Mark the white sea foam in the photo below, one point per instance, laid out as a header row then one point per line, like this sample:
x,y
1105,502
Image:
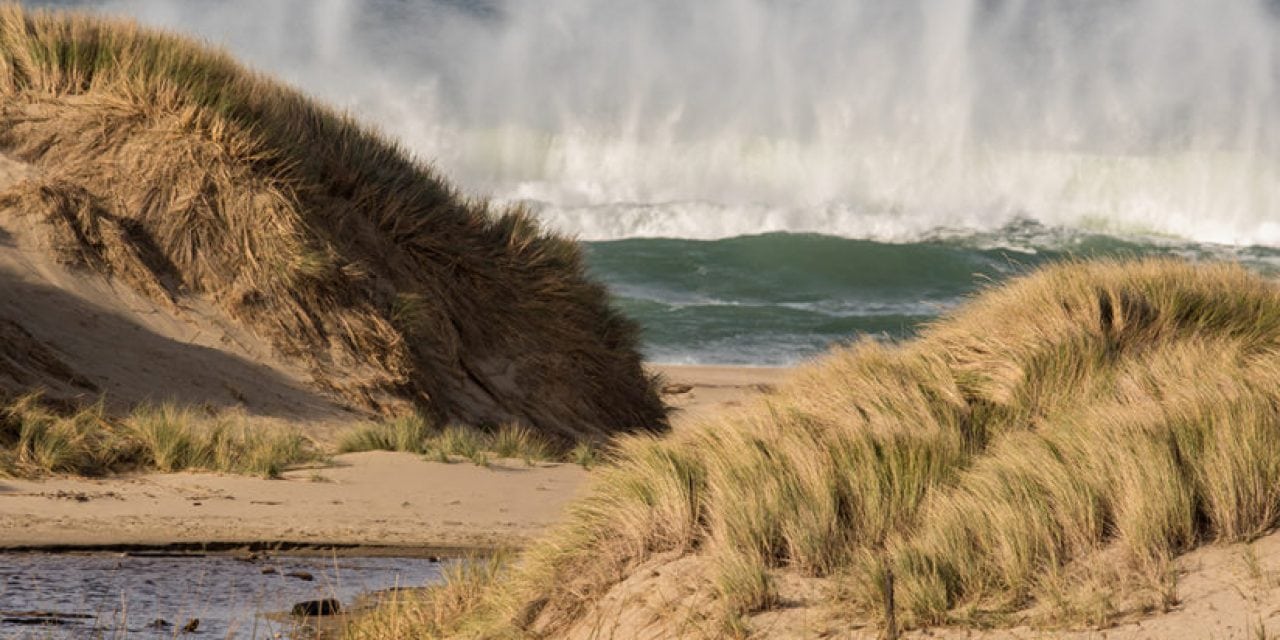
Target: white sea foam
x,y
879,119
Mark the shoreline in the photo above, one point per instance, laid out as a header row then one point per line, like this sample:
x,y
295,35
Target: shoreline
x,y
712,388
364,501
251,551
372,503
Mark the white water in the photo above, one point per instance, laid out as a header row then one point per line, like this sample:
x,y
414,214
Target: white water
x,y
882,119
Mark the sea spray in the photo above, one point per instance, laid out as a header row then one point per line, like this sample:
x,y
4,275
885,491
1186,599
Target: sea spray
x,y
964,140
879,119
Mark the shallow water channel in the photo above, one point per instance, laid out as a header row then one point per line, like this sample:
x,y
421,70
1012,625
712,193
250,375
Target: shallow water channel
x,y
155,595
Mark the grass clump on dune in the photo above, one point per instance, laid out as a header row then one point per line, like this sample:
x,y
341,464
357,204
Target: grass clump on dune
x,y
1046,451
429,613
416,434
408,434
175,438
36,440
171,168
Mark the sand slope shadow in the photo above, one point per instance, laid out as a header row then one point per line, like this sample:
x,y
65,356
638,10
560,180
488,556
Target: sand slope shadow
x,y
89,349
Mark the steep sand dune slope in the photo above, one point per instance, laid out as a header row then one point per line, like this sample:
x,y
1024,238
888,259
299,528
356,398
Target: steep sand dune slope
x,y
79,336
212,191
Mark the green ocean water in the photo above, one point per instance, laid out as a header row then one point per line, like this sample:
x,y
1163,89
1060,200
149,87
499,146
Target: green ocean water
x,y
780,298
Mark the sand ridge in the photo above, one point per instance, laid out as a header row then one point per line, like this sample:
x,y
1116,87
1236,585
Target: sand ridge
x,y
177,170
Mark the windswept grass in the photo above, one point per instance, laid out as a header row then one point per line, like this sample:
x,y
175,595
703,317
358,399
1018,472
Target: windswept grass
x,y
408,434
432,612
178,438
35,440
1052,447
463,442
173,169
585,454
415,434
517,441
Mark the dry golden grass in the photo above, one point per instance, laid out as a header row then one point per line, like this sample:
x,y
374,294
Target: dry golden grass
x,y
38,437
1051,447
431,612
409,434
36,440
416,434
172,168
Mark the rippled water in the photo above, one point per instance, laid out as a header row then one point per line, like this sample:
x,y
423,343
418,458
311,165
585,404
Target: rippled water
x,y
780,298
114,596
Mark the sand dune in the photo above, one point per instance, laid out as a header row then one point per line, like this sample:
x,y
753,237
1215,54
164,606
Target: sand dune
x,y
200,184
1227,592
81,336
1053,454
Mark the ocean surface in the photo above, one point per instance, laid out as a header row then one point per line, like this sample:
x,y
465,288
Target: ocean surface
x,y
779,298
758,179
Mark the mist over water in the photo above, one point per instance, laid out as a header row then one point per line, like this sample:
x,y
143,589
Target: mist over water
x,y
1025,125
880,119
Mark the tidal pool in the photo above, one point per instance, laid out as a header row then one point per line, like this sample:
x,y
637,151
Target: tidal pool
x,y
121,596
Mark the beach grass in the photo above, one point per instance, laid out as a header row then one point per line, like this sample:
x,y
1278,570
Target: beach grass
x,y
432,612
1044,453
585,454
36,440
408,434
417,434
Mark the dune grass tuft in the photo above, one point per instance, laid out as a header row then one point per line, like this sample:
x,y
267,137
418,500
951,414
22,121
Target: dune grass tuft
x,y
433,612
36,440
517,441
585,454
408,434
178,438
415,434
1052,447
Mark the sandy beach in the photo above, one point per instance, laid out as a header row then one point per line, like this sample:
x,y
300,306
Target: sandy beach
x,y
369,501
